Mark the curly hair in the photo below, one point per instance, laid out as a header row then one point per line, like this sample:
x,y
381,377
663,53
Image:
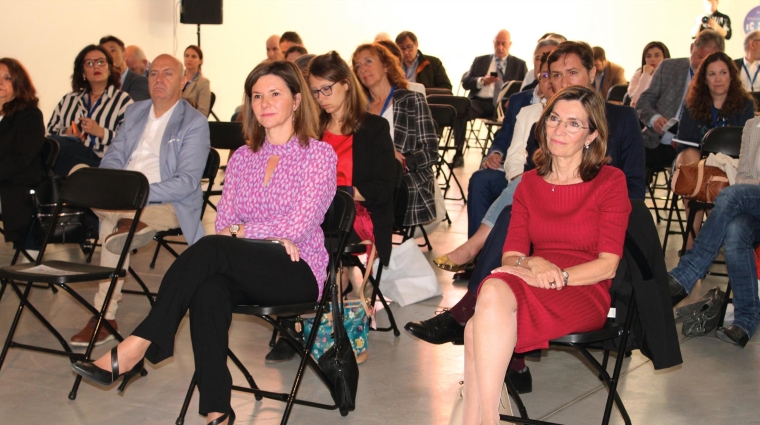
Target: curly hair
x,y
24,93
395,74
79,84
699,100
332,67
592,158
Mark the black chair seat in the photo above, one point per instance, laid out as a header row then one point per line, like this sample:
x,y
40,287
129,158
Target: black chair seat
x,y
609,331
277,310
170,232
83,273
492,122
355,249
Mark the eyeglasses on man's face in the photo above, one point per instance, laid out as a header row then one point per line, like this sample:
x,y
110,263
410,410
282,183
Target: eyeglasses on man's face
x,y
572,126
326,91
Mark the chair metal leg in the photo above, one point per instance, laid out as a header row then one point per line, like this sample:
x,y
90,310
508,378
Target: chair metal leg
x,y
145,291
726,299
189,396
516,397
160,241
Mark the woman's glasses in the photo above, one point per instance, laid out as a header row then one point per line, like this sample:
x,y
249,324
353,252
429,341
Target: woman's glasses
x,y
326,91
93,63
572,126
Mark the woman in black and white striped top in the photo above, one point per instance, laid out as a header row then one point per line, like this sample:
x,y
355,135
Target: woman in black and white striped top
x,y
85,120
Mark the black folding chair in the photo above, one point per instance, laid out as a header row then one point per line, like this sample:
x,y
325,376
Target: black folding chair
x,y
337,227
211,106
226,136
445,117
582,342
756,95
434,90
87,188
209,173
617,93
462,105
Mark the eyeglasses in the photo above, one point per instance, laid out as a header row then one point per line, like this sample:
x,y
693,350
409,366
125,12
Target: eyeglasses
x,y
572,126
407,48
326,91
93,63
543,75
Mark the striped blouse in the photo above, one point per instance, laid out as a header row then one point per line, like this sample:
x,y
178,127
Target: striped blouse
x,y
108,112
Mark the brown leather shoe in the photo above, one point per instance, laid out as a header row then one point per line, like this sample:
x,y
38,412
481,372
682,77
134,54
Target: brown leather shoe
x,y
116,240
83,337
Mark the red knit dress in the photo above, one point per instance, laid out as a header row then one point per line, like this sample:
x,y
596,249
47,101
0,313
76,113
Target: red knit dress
x,y
567,225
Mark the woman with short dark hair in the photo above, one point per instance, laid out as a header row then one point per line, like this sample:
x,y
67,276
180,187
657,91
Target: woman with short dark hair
x,y
654,53
266,196
564,244
197,88
85,121
22,135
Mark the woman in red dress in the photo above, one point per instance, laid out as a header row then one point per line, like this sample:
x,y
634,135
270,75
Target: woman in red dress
x,y
563,247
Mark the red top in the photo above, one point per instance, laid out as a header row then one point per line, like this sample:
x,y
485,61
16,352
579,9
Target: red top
x,y
567,225
344,147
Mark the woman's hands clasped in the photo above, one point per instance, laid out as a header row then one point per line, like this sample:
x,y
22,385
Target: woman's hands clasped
x,y
538,272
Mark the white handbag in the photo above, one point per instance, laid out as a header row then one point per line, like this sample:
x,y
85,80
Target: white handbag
x,y
457,410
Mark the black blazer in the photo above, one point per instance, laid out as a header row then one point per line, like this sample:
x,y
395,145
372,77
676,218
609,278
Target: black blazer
x,y
375,174
431,73
22,136
516,70
136,86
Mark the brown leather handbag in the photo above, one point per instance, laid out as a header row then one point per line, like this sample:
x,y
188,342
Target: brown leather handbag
x,y
699,181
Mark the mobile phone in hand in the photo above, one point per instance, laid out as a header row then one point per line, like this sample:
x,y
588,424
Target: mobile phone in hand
x,y
493,74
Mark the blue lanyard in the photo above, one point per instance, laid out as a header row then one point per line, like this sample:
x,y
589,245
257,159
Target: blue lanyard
x,y
90,109
387,101
751,79
716,120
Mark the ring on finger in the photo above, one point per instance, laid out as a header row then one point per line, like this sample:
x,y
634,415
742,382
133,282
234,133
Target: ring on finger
x,y
553,284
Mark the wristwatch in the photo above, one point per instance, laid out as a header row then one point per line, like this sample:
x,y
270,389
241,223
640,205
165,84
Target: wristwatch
x,y
234,230
565,275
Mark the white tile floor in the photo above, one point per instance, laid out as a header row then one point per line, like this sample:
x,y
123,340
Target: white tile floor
x,y
405,381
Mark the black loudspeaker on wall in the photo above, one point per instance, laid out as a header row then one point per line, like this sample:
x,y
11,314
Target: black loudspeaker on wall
x,y
206,12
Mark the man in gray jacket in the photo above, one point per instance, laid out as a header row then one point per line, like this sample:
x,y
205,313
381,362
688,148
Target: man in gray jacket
x,y
664,98
167,140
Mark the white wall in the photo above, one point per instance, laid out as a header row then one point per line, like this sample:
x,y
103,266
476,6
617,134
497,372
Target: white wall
x,y
46,35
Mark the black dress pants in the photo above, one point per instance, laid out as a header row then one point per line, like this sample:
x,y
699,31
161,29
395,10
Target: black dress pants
x,y
209,278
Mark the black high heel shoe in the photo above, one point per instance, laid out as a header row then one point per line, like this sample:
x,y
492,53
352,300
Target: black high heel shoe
x,y
222,418
103,377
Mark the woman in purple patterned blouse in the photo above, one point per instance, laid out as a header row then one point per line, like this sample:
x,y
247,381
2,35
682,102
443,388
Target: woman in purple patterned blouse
x,y
277,189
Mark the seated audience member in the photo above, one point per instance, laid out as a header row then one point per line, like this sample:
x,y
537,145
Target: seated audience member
x,y
136,61
419,68
295,52
608,74
226,269
530,81
487,184
197,88
393,48
654,53
734,224
712,20
463,256
289,39
303,64
663,99
624,147
273,48
22,135
175,199
85,121
568,226
412,130
488,73
136,85
749,65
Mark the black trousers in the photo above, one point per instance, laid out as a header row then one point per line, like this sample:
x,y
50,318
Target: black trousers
x,y
209,278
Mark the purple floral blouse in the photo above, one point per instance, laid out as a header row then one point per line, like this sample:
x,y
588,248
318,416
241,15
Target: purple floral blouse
x,y
291,206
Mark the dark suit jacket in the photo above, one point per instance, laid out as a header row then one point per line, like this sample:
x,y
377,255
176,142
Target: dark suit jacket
x,y
22,136
739,64
136,86
624,146
375,174
431,73
516,70
504,136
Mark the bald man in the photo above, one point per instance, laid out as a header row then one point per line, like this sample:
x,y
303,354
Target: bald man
x,y
273,48
136,60
167,140
489,72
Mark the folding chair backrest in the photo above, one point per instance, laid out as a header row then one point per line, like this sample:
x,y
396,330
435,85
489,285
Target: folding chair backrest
x,y
507,90
435,90
461,104
444,116
50,151
106,189
213,100
725,140
209,173
338,223
617,93
226,135
756,95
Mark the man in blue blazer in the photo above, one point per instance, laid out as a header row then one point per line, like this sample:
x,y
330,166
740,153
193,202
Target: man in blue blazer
x,y
167,140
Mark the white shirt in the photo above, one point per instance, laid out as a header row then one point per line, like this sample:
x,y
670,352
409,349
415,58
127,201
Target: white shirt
x,y
514,163
745,79
486,92
146,157
388,115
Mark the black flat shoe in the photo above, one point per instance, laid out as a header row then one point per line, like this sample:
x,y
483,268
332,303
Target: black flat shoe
x,y
440,329
224,417
103,377
677,292
522,381
733,334
282,350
